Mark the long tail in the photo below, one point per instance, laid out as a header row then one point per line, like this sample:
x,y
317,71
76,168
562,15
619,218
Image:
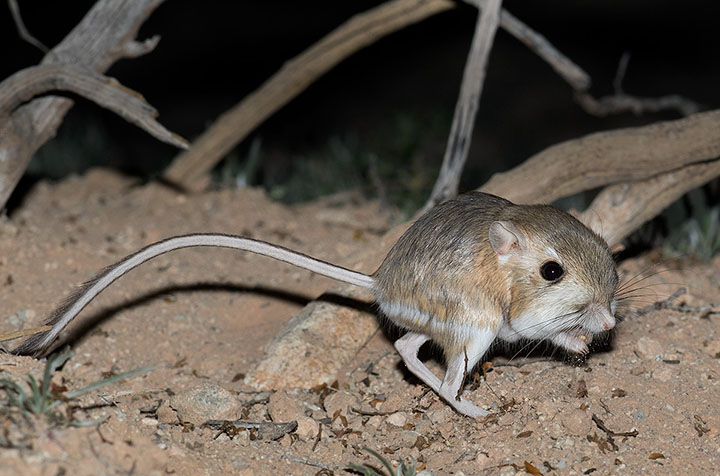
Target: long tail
x,y
75,303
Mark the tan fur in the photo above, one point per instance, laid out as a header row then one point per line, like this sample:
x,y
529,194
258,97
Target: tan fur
x,y
444,267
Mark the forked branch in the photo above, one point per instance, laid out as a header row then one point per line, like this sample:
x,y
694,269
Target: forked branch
x,y
104,35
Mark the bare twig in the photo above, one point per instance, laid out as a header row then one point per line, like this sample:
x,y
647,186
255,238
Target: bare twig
x,y
189,169
619,103
664,304
580,81
620,73
104,91
563,66
133,48
22,31
600,424
307,462
266,430
456,151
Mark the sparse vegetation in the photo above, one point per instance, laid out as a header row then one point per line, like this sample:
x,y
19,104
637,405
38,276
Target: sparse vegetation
x,y
699,234
402,470
42,397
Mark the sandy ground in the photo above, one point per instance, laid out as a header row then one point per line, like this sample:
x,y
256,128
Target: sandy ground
x,y
645,402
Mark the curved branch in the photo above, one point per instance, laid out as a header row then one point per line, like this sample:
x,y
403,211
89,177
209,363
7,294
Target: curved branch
x,y
604,158
622,208
102,90
189,169
95,43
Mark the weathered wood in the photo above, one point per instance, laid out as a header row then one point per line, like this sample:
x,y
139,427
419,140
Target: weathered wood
x,y
189,169
622,208
458,145
104,91
95,43
605,158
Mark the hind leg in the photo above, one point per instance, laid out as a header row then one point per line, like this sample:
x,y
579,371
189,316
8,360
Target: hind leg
x,y
408,346
458,367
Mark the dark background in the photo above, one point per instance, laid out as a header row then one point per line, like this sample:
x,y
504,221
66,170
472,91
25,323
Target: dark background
x,y
389,106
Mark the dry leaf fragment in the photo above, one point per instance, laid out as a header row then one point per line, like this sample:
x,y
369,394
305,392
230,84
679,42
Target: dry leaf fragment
x,y
530,469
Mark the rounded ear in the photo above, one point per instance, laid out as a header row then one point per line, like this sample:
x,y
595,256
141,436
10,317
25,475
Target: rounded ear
x,y
505,238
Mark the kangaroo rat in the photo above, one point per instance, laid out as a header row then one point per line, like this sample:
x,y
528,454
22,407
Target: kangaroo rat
x,y
471,270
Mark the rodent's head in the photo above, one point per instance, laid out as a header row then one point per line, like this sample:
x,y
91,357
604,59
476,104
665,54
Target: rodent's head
x,y
561,274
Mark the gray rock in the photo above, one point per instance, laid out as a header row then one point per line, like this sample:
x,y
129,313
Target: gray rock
x,y
206,402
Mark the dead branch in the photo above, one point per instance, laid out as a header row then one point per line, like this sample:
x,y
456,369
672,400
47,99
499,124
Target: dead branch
x,y
622,102
603,158
619,103
684,154
189,169
22,31
458,145
563,66
622,208
579,80
95,43
102,90
133,49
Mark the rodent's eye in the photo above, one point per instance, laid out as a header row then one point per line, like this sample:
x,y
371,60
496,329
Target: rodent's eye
x,y
551,271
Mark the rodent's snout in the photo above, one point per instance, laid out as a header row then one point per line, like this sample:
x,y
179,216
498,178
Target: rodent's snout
x,y
603,317
608,321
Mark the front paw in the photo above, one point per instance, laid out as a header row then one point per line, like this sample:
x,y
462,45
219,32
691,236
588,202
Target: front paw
x,y
572,343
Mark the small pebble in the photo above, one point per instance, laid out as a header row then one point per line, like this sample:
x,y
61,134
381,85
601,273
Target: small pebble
x,y
663,374
577,422
340,401
147,421
207,402
284,408
648,348
397,419
307,428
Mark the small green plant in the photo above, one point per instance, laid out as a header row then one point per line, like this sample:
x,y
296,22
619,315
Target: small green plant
x,y
699,234
402,470
41,398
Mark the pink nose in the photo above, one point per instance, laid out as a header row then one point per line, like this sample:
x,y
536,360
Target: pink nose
x,y
608,320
